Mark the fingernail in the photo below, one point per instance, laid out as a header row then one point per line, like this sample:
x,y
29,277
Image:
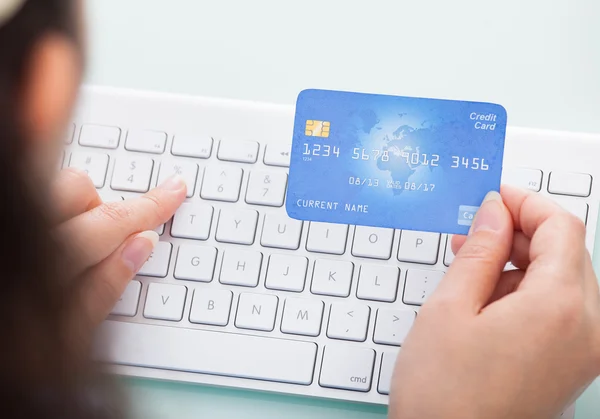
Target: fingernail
x,y
174,183
139,250
490,214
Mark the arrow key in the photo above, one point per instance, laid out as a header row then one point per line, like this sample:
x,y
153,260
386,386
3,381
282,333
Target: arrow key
x,y
392,326
165,302
348,322
278,154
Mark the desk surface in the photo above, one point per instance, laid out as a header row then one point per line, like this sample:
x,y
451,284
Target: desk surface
x,y
539,58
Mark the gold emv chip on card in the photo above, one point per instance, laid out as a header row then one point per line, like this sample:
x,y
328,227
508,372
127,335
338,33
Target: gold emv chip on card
x,y
317,128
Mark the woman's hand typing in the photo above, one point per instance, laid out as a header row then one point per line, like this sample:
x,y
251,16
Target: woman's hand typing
x,y
107,243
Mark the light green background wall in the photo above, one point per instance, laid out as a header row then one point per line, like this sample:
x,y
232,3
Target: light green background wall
x,y
539,58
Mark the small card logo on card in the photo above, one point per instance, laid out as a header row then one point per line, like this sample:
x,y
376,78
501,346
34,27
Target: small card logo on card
x,y
466,213
317,128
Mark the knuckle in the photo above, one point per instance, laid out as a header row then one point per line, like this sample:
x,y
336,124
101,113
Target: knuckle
x,y
115,211
571,223
157,208
477,251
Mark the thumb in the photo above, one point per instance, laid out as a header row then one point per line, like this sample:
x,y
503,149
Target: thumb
x,y
476,269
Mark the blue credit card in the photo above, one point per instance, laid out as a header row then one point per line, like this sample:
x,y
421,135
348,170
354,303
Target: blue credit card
x,y
396,162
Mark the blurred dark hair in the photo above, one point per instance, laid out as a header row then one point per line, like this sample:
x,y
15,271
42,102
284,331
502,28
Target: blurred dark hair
x,y
44,372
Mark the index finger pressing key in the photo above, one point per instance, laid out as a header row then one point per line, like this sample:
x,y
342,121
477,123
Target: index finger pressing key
x,y
93,236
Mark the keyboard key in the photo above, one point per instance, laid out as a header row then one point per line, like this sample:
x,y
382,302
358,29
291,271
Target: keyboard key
x,y
94,164
221,183
388,363
165,302
281,232
158,262
378,283
187,170
348,321
128,303
327,238
132,173
392,326
240,267
146,141
70,134
347,368
192,146
332,277
256,312
574,184
211,306
418,247
192,221
238,151
237,226
302,316
286,273
578,208
449,254
420,284
195,263
278,154
266,188
207,352
372,242
160,230
99,136
523,178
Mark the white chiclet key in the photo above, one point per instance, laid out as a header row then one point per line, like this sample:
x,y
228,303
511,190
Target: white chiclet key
x,y
238,151
94,164
192,221
256,312
99,136
222,183
278,154
419,247
237,226
195,263
378,283
347,367
348,321
388,362
165,302
286,273
187,170
327,238
158,262
240,267
392,326
372,242
192,146
132,173
302,316
280,231
332,277
146,141
266,188
128,303
211,306
420,284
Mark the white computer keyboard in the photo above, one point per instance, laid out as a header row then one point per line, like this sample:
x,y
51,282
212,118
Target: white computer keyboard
x,y
236,293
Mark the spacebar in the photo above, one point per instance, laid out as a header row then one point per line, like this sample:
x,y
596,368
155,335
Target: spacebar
x,y
206,352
